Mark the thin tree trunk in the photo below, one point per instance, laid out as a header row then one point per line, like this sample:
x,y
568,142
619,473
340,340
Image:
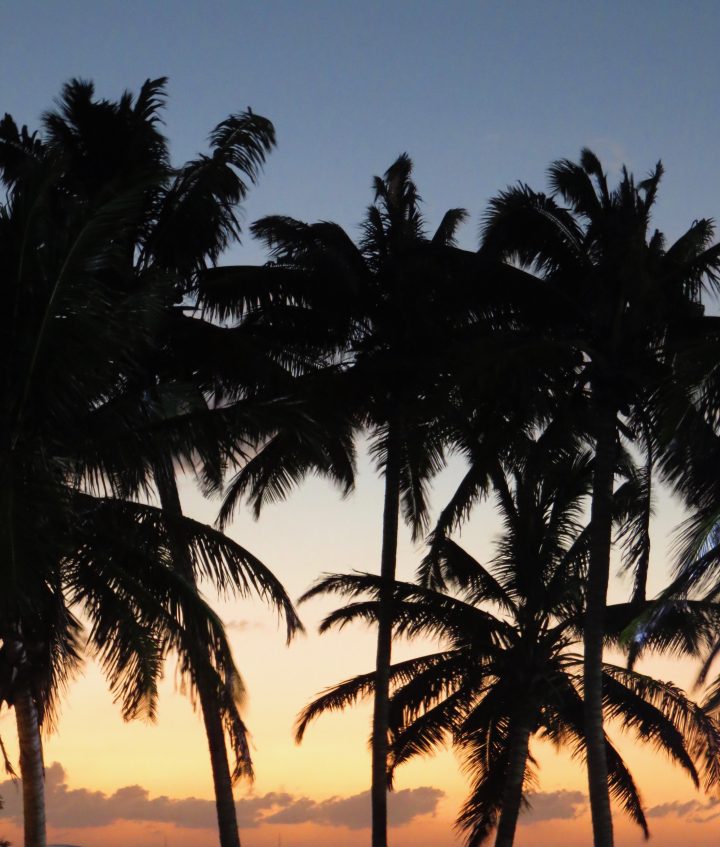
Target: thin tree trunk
x,y
381,707
32,771
512,791
596,602
222,781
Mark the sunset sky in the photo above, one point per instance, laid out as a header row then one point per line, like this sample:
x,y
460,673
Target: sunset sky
x,y
480,94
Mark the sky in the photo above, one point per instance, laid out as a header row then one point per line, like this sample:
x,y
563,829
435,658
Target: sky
x,y
481,95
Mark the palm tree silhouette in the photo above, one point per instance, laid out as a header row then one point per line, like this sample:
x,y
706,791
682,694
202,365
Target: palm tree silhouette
x,y
185,225
180,221
70,340
507,669
387,312
614,293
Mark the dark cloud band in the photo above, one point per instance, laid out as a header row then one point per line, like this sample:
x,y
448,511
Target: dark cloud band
x,y
79,807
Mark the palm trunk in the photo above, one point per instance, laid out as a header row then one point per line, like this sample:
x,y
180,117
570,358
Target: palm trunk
x,y
597,585
381,708
32,770
222,781
512,791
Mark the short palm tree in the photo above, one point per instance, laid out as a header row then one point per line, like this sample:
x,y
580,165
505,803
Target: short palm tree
x,y
617,294
507,669
386,313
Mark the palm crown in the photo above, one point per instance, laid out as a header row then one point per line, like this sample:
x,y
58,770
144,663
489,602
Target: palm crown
x,y
384,310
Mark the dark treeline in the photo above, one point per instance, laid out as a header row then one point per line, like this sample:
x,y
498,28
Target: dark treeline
x,y
569,361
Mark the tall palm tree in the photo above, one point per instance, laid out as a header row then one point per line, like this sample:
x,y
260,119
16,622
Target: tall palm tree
x,y
69,341
385,311
507,669
185,222
615,293
181,221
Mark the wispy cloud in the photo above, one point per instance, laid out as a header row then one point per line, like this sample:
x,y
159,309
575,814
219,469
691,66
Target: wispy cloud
x,y
694,811
80,807
242,625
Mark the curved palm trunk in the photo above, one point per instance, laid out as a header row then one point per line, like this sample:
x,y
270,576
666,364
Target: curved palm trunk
x,y
222,781
381,707
512,791
32,770
597,585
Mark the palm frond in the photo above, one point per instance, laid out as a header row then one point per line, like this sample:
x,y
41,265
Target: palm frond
x,y
459,571
699,734
283,462
214,556
445,233
347,693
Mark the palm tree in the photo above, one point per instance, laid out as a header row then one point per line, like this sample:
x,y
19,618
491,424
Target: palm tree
x,y
507,669
615,293
181,220
61,322
385,313
187,218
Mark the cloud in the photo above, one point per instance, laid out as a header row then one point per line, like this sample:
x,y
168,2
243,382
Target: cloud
x,y
554,805
80,807
693,811
242,625
674,808
354,812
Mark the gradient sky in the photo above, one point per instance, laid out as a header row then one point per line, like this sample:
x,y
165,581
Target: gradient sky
x,y
481,94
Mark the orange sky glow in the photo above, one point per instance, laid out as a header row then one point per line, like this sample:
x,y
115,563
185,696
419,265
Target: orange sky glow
x,y
148,785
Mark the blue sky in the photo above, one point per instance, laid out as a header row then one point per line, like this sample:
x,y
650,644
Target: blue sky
x,y
480,94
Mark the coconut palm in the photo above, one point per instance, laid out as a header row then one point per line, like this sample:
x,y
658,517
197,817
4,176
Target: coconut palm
x,y
96,152
616,293
383,315
61,322
508,668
